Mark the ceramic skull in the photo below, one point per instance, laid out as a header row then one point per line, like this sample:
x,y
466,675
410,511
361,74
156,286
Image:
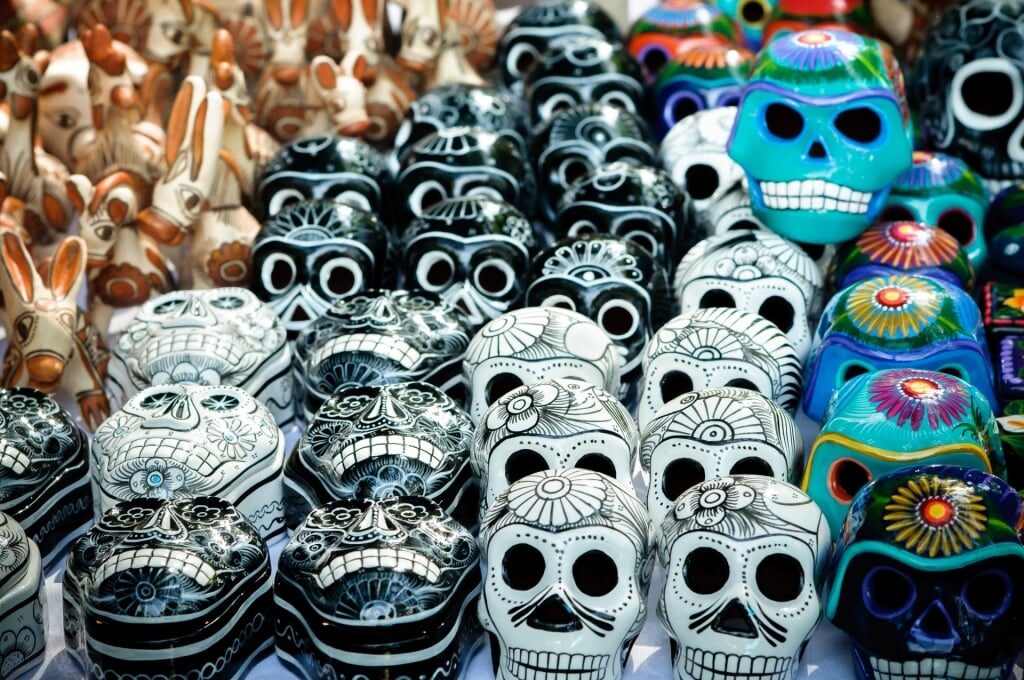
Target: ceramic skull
x,y
745,558
822,132
694,154
380,337
1004,235
223,336
378,589
550,425
717,432
473,252
754,271
569,558
532,344
667,27
718,347
731,211
179,584
22,601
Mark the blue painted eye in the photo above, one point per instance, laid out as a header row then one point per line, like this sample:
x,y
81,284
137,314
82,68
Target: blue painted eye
x,y
155,479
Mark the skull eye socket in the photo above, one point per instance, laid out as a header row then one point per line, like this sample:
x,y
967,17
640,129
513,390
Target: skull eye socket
x,y
618,319
654,59
753,13
620,99
572,170
227,302
705,571
675,384
702,181
278,273
523,463
783,121
500,385
988,594
752,466
425,196
560,301
435,271
680,476
853,370
555,104
354,199
522,567
986,94
953,371
595,573
959,224
897,213
887,593
597,462
742,384
780,578
521,59
716,298
680,106
779,312
341,277
494,277
846,477
282,199
743,225
582,228
861,124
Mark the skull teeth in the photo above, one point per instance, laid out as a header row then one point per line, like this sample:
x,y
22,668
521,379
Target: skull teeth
x,y
814,194
932,669
390,346
373,447
374,558
707,665
526,664
186,563
15,460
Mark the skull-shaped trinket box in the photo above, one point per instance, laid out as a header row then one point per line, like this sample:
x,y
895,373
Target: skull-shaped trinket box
x,y
313,253
891,419
661,31
380,337
717,432
569,557
745,558
44,470
377,441
378,589
694,153
162,584
22,601
178,441
927,576
223,336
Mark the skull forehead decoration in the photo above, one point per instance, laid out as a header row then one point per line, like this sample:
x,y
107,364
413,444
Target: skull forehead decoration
x,y
183,584
22,600
569,559
473,252
380,337
712,433
550,425
718,347
532,344
177,441
822,132
223,336
661,31
406,439
755,271
378,589
745,559
314,252
695,157
44,469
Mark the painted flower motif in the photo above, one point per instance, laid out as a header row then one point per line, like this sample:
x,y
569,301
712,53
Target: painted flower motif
x,y
558,498
711,500
930,515
816,50
113,429
228,265
746,263
13,549
158,479
712,56
918,397
203,513
16,649
931,171
508,335
520,409
231,437
908,245
1016,301
894,306
151,592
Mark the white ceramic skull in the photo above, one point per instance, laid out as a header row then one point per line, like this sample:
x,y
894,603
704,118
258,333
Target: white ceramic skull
x,y
569,559
550,425
222,336
22,601
745,559
718,347
755,271
532,344
694,154
179,441
712,433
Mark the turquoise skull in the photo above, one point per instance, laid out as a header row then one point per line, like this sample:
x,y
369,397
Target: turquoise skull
x,y
823,130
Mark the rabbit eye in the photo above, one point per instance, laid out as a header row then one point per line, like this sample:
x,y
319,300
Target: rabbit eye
x,y
23,327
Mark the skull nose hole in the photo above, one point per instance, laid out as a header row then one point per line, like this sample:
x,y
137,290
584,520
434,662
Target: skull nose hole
x,y
817,151
300,314
674,384
845,478
935,624
555,616
734,620
701,181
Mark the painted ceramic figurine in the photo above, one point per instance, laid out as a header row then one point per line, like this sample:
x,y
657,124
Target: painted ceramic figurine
x,y
694,155
822,132
378,589
22,601
179,584
927,573
280,102
660,32
887,420
569,557
469,37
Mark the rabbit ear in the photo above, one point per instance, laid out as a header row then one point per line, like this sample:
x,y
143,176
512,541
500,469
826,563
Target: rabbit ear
x,y
324,70
67,267
299,10
19,274
274,13
80,192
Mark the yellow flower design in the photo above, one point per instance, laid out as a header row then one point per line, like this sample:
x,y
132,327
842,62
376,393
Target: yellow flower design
x,y
1017,301
894,306
930,515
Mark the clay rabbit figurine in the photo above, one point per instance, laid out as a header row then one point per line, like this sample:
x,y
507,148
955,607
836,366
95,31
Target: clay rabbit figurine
x,y
52,343
281,100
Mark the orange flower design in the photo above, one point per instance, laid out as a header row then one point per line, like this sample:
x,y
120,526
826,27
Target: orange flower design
x,y
229,265
908,245
1017,301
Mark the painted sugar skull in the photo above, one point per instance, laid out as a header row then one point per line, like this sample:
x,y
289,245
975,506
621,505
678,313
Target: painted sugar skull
x,y
179,441
695,157
22,601
181,584
551,425
378,589
717,432
44,470
473,252
569,558
311,254
887,420
533,344
754,271
542,25
378,441
380,337
927,573
822,132
745,557
718,347
732,212
1004,235
896,321
223,336
751,16
324,167
637,204
660,32
941,190
583,71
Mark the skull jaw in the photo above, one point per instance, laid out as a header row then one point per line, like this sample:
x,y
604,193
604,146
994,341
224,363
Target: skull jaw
x,y
871,667
844,219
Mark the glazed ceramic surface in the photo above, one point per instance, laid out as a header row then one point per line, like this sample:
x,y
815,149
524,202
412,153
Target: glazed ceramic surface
x,y
22,601
799,15
1004,234
694,155
1003,308
661,31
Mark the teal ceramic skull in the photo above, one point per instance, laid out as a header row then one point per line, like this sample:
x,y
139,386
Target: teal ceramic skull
x,y
823,130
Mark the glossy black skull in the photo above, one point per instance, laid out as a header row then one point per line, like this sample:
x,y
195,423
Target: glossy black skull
x,y
315,252
1004,233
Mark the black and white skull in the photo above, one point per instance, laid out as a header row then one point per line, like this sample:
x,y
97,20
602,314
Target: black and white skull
x,y
22,601
694,155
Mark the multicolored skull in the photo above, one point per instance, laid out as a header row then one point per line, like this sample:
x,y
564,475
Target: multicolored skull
x,y
659,33
752,17
926,578
822,132
378,589
22,600
169,584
